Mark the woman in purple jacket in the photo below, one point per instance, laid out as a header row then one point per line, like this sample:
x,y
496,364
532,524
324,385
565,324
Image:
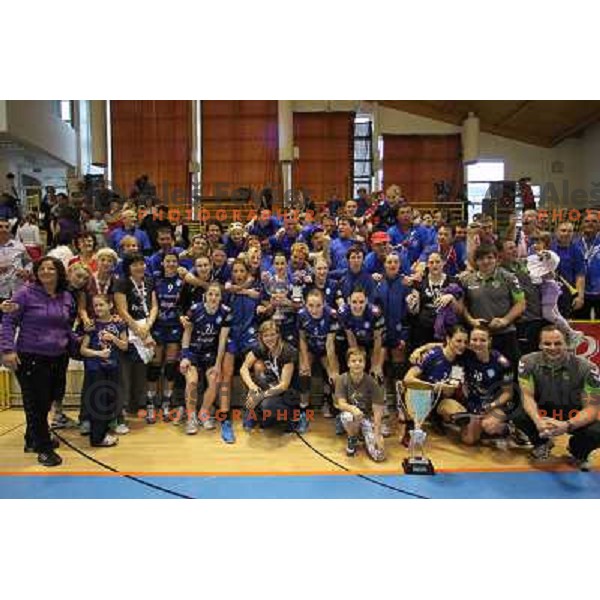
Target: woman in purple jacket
x,y
39,352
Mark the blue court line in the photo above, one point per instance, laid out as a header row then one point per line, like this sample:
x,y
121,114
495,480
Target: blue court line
x,y
568,485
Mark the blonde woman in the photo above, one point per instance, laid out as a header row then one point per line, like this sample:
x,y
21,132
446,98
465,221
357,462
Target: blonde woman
x,y
268,372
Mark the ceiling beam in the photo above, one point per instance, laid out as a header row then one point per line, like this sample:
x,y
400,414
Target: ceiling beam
x,y
577,127
514,113
422,109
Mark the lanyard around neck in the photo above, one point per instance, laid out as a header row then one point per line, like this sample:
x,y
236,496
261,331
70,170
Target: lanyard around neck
x,y
140,291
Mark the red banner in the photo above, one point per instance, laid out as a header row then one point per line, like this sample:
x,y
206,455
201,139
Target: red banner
x,y
590,347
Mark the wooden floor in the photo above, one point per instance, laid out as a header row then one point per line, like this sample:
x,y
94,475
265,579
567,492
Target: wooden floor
x,y
165,449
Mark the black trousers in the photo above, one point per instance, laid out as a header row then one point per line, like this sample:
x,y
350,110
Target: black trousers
x,y
133,382
581,443
101,401
528,335
283,408
43,381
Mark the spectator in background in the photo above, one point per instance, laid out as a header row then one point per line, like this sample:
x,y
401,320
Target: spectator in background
x,y
130,228
339,247
453,255
264,225
98,228
334,205
48,202
113,218
85,246
142,189
266,199
103,196
362,202
28,234
63,250
214,232
181,231
415,238
530,323
522,236
571,269
14,262
155,220
10,202
67,218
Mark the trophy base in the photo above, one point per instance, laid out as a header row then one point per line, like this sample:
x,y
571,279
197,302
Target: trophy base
x,y
418,466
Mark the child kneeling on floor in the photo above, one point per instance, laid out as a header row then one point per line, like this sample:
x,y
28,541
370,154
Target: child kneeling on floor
x,y
100,349
361,403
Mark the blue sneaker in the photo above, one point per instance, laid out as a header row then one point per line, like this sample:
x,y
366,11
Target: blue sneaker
x,y
227,434
248,423
302,424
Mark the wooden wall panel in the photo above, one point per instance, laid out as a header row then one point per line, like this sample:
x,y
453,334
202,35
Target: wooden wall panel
x,y
326,144
152,137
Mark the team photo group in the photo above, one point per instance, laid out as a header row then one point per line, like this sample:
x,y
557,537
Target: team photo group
x,y
340,311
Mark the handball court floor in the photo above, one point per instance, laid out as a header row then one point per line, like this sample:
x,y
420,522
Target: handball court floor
x,y
160,461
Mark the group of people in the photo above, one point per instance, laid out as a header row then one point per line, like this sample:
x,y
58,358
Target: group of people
x,y
369,293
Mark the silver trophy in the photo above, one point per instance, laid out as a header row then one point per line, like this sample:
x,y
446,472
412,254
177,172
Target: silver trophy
x,y
278,290
417,403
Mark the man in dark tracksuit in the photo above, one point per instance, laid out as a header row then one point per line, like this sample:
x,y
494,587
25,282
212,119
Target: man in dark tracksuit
x,y
561,395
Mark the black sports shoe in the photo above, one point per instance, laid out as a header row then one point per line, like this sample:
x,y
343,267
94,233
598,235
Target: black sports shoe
x,y
49,459
352,446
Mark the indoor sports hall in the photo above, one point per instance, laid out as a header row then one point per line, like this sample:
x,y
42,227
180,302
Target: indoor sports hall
x,y
222,187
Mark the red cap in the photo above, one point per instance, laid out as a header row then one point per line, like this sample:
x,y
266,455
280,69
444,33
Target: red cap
x,y
380,237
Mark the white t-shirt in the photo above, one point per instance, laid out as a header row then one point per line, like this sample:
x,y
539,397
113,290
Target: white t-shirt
x,y
29,234
63,253
542,264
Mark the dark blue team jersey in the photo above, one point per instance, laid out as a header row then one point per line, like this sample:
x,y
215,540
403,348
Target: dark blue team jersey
x,y
97,364
330,292
362,327
154,263
207,327
222,274
242,334
436,367
168,293
317,330
485,381
390,296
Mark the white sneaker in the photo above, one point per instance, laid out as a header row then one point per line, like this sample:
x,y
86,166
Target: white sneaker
x,y
121,429
108,441
385,429
209,424
191,427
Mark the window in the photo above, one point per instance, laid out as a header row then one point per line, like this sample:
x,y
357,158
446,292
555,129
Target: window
x,y
363,153
479,177
66,111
